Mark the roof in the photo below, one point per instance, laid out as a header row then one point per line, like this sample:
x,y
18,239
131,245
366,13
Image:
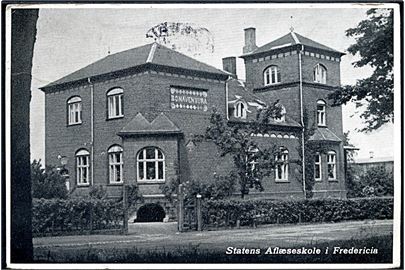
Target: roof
x,y
291,39
373,160
140,125
153,53
324,134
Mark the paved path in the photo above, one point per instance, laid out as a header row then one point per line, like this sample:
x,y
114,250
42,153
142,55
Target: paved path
x,y
164,235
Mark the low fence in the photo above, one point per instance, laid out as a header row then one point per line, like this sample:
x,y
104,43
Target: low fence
x,y
77,216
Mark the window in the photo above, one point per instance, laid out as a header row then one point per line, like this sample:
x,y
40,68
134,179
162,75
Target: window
x,y
240,110
320,73
282,165
251,160
114,100
321,113
318,167
74,110
331,165
115,163
151,164
271,75
283,112
82,167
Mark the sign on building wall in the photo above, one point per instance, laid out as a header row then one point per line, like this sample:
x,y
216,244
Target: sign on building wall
x,y
188,98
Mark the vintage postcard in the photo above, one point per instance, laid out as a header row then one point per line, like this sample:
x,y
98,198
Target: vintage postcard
x,y
202,135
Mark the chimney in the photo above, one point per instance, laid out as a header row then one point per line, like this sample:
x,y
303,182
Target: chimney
x,y
371,154
250,40
229,65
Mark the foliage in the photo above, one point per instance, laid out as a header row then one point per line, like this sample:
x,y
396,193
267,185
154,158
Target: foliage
x,y
235,140
374,45
47,183
75,215
98,192
377,181
221,213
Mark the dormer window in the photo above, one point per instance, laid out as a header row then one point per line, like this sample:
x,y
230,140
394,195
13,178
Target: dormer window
x,y
281,117
271,75
320,74
321,112
240,110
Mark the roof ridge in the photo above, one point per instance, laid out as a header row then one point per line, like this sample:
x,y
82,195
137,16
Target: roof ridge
x,y
151,53
294,36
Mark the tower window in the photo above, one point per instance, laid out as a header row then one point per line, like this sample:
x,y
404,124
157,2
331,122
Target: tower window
x,y
115,164
151,165
114,103
320,74
331,165
240,110
82,167
74,110
271,75
282,165
321,112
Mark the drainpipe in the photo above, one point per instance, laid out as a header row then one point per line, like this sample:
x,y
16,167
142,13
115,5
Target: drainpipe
x,y
91,128
302,120
226,98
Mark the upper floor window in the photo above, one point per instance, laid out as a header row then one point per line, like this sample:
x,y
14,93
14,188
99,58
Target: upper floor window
x,y
114,100
82,167
115,163
320,73
318,167
151,164
74,110
321,112
282,165
331,165
240,110
271,75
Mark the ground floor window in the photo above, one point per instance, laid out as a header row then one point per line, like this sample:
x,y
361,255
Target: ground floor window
x,y
318,167
115,164
331,165
282,165
82,167
150,164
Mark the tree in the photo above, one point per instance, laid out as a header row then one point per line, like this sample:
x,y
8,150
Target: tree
x,y
376,181
374,45
47,183
251,162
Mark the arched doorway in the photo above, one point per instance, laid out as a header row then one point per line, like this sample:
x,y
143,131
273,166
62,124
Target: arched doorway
x,y
150,212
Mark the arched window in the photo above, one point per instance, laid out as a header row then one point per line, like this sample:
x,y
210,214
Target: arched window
x,y
240,110
115,164
318,166
82,167
271,75
151,164
114,103
282,165
331,165
321,112
74,105
320,73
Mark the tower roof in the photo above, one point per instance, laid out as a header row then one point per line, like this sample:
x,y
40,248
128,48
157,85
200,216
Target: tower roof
x,y
291,39
153,53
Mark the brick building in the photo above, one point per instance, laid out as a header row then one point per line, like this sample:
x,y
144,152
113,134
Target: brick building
x,y
131,117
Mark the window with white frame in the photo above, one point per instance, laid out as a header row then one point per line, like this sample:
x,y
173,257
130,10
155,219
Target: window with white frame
x,y
114,100
115,164
331,165
283,112
82,167
240,110
320,73
74,110
318,167
271,75
251,161
282,165
321,112
151,164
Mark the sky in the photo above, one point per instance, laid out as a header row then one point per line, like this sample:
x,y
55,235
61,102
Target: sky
x,y
69,39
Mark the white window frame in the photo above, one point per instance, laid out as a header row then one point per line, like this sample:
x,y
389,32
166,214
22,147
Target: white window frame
x,y
82,167
321,113
331,160
114,103
252,163
268,75
320,74
319,165
283,167
156,160
115,153
240,110
74,110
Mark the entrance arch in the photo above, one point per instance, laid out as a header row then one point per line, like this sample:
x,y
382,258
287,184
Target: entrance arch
x,y
151,212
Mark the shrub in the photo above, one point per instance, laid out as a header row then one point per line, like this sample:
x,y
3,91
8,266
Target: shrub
x,y
47,183
75,215
220,213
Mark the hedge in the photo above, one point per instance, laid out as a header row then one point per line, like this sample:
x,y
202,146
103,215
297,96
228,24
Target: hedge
x,y
220,213
59,216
